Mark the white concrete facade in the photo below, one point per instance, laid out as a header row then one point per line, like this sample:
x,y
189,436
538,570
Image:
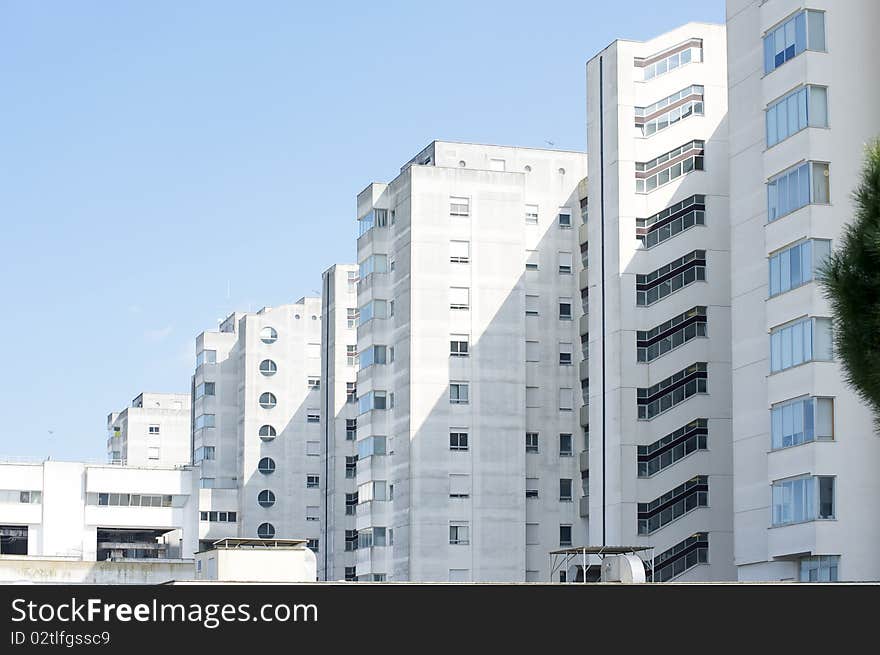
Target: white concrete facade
x,y
256,426
468,302
658,283
154,431
339,421
86,512
797,426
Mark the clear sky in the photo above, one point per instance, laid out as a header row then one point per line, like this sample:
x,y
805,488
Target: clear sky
x,y
163,163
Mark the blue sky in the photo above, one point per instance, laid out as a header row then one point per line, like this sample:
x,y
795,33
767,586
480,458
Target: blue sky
x,y
164,163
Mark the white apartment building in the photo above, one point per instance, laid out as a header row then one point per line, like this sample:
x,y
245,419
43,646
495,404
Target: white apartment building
x,y
256,427
72,511
468,404
154,431
339,422
658,285
803,103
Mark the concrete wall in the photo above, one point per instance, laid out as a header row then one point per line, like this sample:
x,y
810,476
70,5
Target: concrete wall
x,y
45,570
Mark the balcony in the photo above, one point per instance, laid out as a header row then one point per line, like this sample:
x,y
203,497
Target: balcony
x,y
584,460
584,507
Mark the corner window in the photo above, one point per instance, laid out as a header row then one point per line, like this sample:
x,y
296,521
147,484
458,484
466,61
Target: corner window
x,y
803,31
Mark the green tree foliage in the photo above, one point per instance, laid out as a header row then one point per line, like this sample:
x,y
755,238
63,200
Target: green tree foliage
x,y
851,282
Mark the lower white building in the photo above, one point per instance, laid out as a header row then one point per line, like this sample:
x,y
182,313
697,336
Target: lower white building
x,y
56,515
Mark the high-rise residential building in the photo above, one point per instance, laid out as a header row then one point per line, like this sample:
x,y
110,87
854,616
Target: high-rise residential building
x,y
256,427
468,430
803,103
339,422
658,285
154,431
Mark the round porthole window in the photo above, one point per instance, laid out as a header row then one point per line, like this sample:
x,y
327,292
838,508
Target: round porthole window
x,y
268,335
266,466
266,531
267,433
268,367
266,498
462,163
268,400
528,169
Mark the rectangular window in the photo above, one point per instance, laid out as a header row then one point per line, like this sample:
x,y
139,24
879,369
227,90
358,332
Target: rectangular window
x,y
565,535
351,393
566,399
532,260
459,486
314,383
803,31
565,354
674,390
458,345
459,298
200,454
351,466
805,184
313,416
673,504
672,447
313,448
372,400
804,107
803,499
351,316
533,351
819,568
533,397
681,57
497,165
565,490
565,263
805,340
458,393
206,357
564,217
371,446
672,221
313,481
458,439
671,334
154,429
684,103
531,305
797,265
532,485
532,214
459,206
669,166
531,442
565,309
204,421
152,453
459,252
312,513
459,534
801,420
373,309
351,354
566,445
204,389
677,274
377,263
350,429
